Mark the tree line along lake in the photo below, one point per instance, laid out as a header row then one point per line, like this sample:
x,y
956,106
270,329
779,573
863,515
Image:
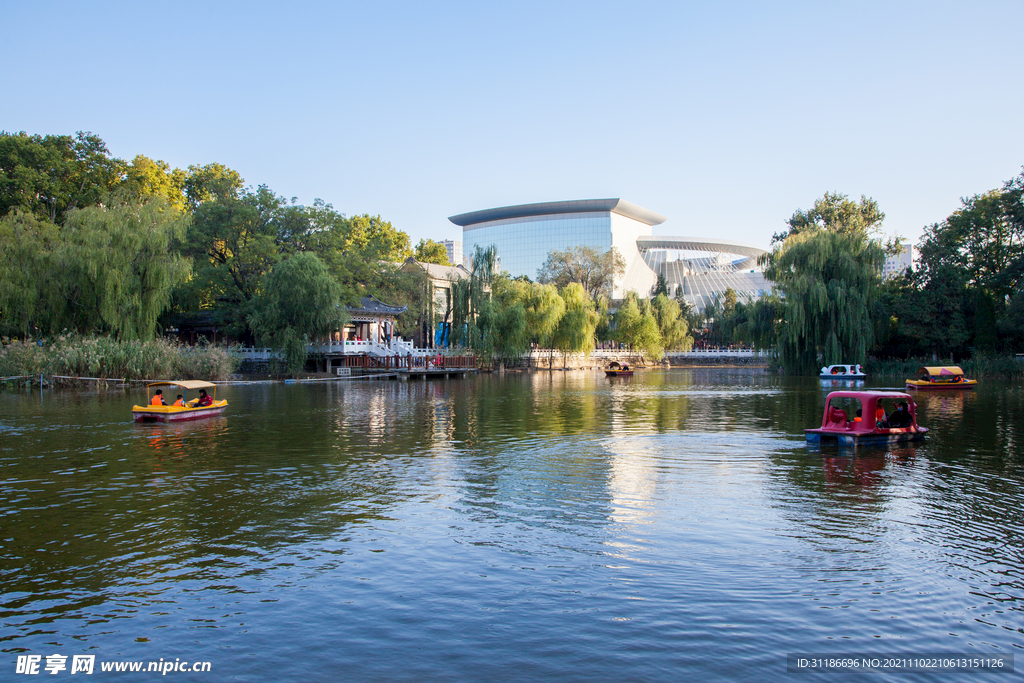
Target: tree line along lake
x,y
557,525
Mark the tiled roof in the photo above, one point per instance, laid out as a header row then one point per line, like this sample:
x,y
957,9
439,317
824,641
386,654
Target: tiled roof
x,y
370,304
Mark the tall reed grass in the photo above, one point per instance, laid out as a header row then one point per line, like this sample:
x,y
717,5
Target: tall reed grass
x,y
106,357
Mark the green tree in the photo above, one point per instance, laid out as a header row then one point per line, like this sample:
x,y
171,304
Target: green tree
x,y
593,269
971,265
429,251
761,321
662,286
53,174
627,318
829,279
409,288
234,242
575,333
835,212
729,300
671,323
211,182
378,238
471,302
982,240
27,274
147,178
545,310
928,312
509,337
121,263
637,326
299,303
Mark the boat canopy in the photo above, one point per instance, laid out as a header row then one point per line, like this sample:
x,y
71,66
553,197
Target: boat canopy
x,y
184,384
842,369
949,371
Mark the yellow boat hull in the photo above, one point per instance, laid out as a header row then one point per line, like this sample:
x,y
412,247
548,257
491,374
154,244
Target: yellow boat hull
x,y
177,413
940,386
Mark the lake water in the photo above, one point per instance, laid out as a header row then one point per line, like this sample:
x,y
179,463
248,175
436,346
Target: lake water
x,y
551,526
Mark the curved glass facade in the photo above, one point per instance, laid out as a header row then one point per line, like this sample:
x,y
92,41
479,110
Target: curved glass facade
x,y
523,244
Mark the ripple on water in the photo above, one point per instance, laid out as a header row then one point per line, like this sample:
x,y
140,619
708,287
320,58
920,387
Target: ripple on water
x,y
480,529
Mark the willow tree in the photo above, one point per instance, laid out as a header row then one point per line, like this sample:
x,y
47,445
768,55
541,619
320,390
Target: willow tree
x,y
119,264
636,325
544,311
575,332
829,280
300,301
471,301
27,275
671,323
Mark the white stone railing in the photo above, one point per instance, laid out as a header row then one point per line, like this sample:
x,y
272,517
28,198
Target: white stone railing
x,y
250,353
712,353
348,347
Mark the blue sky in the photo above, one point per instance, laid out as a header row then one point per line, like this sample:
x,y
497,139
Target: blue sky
x,y
725,117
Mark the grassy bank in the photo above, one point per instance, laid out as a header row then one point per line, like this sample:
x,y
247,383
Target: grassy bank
x,y
977,367
107,357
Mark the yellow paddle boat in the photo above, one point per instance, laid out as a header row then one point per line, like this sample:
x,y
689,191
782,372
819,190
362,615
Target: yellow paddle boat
x,y
947,377
205,405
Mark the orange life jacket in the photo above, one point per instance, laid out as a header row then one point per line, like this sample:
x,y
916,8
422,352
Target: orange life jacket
x,y
180,403
158,400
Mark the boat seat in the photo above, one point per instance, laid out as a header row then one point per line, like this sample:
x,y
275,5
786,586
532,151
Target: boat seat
x,y
836,419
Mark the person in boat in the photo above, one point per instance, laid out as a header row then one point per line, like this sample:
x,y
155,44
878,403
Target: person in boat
x,y
880,416
901,418
204,399
859,416
180,403
158,398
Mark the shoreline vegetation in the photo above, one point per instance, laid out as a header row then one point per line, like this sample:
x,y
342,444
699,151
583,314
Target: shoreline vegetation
x,y
105,357
100,248
110,359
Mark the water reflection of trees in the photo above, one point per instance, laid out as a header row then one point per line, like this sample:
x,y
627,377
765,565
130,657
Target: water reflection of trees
x,y
108,510
100,506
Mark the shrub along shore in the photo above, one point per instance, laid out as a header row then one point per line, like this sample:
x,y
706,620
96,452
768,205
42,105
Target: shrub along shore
x,y
105,357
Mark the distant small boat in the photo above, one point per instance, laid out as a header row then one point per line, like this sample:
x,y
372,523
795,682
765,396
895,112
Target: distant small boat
x,y
616,370
843,372
172,413
949,377
876,427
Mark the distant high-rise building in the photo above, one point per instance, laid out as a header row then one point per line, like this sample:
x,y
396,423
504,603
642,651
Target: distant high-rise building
x,y
898,264
454,252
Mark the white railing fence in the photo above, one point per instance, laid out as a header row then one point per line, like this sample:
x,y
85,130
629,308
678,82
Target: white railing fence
x,y
353,347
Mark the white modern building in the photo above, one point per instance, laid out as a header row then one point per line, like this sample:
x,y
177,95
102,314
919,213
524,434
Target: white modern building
x,y
898,264
454,249
701,269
